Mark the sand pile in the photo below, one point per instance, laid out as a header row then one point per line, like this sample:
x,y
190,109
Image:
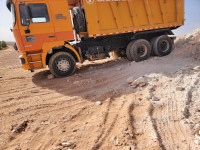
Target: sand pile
x,y
189,45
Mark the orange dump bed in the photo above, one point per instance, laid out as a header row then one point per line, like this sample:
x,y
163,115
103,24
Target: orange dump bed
x,y
105,17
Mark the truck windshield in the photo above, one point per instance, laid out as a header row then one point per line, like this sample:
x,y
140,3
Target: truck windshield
x,y
37,12
13,14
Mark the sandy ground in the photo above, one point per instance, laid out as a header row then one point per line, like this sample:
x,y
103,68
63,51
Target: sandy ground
x,y
97,109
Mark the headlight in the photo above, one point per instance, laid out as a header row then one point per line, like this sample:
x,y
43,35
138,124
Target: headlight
x,y
22,61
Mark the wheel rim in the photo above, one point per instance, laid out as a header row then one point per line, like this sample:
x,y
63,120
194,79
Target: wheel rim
x,y
142,51
63,65
164,46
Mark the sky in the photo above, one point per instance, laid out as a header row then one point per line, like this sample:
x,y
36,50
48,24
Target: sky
x,y
192,16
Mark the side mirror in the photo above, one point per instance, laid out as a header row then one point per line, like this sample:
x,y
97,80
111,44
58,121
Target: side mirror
x,y
27,21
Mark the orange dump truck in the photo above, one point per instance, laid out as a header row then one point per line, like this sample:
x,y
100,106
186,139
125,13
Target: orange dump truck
x,y
61,33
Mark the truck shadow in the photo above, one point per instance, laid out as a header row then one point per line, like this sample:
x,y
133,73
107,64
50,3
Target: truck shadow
x,y
91,81
102,80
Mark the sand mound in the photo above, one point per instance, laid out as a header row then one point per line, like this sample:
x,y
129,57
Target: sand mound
x,y
189,45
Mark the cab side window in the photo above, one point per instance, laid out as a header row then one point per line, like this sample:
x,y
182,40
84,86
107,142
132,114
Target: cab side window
x,y
38,13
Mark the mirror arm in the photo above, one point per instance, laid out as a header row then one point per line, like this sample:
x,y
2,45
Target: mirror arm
x,y
28,25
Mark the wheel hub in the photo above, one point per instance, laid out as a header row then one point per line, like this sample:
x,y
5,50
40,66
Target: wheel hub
x,y
63,65
142,50
164,46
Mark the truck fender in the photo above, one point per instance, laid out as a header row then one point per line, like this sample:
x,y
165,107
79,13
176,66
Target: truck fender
x,y
77,54
50,45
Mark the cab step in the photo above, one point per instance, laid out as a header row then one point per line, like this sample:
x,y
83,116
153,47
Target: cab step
x,y
34,54
35,60
32,62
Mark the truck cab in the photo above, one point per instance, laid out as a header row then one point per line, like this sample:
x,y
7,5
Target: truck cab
x,y
39,26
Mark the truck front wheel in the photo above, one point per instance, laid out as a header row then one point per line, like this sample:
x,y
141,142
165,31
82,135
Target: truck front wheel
x,y
138,50
163,45
62,64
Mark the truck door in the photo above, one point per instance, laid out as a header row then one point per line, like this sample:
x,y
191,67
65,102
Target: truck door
x,y
36,25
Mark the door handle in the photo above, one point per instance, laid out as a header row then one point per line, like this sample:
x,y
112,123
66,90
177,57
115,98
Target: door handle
x,y
52,36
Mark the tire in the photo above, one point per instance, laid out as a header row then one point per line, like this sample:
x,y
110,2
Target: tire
x,y
152,43
128,55
163,45
62,64
79,20
140,50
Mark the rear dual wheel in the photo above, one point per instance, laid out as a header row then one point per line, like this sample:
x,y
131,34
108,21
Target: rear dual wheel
x,y
138,50
162,45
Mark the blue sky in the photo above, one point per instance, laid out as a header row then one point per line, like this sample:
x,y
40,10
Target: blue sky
x,y
192,16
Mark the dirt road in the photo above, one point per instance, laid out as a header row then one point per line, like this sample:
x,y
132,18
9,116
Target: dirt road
x,y
97,109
